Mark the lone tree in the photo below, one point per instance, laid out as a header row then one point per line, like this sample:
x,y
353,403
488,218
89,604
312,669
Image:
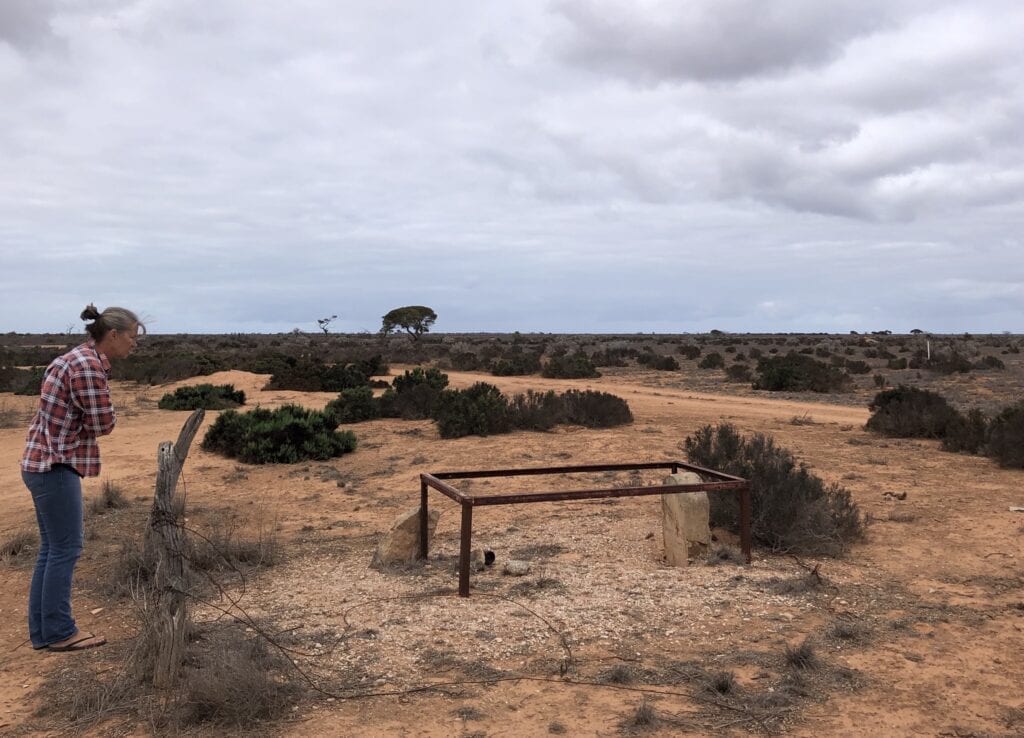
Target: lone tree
x,y
413,319
324,322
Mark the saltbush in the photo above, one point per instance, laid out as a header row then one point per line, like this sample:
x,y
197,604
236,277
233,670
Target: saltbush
x,y
354,406
1006,437
688,351
712,360
659,362
967,433
282,436
595,409
798,373
414,395
855,366
480,410
570,366
793,510
910,412
536,411
516,363
738,373
205,396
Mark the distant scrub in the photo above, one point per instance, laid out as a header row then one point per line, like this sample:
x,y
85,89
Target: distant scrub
x,y
570,366
205,396
308,375
657,361
1006,437
793,510
798,373
516,363
738,373
282,436
689,352
711,360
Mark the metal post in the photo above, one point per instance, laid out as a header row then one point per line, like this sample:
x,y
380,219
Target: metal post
x,y
466,535
745,515
423,520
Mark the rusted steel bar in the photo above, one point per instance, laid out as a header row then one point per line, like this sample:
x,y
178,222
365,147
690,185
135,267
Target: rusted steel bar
x,y
445,488
745,515
554,470
465,534
423,520
597,494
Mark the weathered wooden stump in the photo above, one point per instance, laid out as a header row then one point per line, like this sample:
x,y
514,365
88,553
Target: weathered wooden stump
x,y
164,548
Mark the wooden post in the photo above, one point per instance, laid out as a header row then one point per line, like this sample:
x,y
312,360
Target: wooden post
x,y
164,548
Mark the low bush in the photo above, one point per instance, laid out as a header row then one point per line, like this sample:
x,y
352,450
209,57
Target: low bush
x,y
798,373
712,360
536,411
465,361
206,396
515,364
690,352
308,375
659,362
595,409
910,412
570,366
354,406
414,395
480,410
738,373
1006,437
793,510
990,362
966,433
282,436
940,362
855,366
897,363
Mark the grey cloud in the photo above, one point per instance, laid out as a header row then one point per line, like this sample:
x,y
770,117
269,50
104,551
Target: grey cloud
x,y
712,40
25,24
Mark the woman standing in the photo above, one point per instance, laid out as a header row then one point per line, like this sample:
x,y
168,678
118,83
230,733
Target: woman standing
x,y
74,411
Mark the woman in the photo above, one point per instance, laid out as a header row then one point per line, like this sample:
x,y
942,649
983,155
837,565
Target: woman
x,y
74,411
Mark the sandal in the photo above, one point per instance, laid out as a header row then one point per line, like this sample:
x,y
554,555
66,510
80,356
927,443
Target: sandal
x,y
86,640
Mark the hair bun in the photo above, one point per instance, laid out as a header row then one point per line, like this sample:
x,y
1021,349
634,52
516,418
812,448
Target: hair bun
x,y
90,312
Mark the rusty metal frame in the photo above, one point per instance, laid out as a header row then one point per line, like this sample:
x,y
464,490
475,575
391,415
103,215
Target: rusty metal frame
x,y
723,482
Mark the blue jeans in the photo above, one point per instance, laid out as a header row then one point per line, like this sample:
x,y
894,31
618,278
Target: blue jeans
x,y
57,495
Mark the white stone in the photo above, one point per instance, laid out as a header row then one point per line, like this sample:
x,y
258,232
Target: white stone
x,y
685,521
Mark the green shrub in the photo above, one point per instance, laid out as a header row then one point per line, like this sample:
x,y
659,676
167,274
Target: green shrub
x,y
990,362
1006,437
595,409
897,363
712,360
480,410
414,395
283,436
570,366
354,406
967,433
308,375
798,373
689,352
793,510
910,412
536,411
465,361
516,363
738,373
658,362
940,363
855,366
205,396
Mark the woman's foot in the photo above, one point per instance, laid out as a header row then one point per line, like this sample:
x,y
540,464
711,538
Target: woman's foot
x,y
77,642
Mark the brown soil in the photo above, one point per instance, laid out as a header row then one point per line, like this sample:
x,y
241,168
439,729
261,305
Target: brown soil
x,y
918,631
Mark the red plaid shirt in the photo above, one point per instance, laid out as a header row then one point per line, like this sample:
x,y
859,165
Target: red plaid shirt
x,y
74,411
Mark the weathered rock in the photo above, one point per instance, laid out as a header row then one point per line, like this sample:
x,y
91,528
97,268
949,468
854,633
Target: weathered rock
x,y
517,567
402,542
684,521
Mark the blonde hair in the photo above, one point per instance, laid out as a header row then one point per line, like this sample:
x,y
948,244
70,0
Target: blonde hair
x,y
113,318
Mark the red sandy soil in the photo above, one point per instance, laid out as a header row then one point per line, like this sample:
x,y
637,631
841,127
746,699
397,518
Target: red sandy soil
x,y
936,590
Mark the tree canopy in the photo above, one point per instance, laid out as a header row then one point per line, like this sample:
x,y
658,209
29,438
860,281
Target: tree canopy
x,y
413,319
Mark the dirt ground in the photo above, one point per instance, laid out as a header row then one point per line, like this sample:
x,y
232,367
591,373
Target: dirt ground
x,y
918,631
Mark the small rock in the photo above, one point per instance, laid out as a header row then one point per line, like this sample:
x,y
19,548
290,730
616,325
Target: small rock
x,y
517,568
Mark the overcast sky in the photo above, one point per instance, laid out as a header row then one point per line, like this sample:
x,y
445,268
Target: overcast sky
x,y
559,165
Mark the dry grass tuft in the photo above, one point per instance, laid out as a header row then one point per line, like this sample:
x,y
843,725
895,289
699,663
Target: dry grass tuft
x,y
802,657
111,497
18,547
